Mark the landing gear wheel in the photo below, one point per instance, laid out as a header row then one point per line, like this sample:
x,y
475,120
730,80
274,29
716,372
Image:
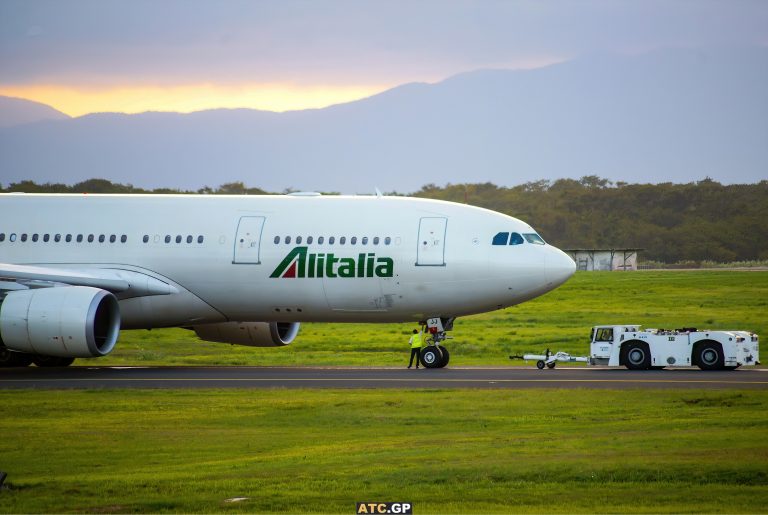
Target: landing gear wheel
x,y
446,357
551,365
638,357
51,361
710,356
540,364
9,358
431,356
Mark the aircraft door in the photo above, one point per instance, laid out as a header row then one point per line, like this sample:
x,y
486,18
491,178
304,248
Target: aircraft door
x,y
431,244
248,240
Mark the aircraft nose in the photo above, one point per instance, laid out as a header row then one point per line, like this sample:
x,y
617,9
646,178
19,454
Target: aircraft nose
x,y
559,266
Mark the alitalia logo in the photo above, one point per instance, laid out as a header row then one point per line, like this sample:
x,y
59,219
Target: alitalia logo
x,y
299,264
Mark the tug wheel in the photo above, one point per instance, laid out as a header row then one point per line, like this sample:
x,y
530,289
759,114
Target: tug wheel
x,y
540,364
709,356
637,356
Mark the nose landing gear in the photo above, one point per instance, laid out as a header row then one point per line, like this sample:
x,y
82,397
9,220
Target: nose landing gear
x,y
434,355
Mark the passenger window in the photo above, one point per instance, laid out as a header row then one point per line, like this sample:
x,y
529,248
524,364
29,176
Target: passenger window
x,y
287,239
24,237
342,240
309,240
167,238
12,237
57,238
68,238
2,236
331,240
178,238
112,238
298,240
101,238
277,240
364,241
387,240
79,238
200,239
516,239
501,238
46,237
145,239
375,240
34,237
90,238
353,240
534,238
189,238
320,240
123,238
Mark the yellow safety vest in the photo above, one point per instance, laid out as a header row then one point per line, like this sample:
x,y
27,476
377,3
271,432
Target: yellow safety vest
x,y
416,341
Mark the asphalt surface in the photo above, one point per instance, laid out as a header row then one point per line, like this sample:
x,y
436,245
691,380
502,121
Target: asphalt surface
x,y
350,377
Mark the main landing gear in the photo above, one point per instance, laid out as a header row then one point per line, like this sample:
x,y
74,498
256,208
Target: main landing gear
x,y
434,355
9,358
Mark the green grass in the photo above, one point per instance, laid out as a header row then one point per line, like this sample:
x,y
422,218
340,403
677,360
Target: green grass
x,y
559,320
457,451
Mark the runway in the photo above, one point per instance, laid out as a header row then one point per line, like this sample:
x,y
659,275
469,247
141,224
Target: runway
x,y
351,377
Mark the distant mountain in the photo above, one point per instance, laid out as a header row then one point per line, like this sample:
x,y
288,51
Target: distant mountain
x,y
17,111
673,115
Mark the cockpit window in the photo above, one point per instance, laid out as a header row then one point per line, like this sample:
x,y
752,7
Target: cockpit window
x,y
515,239
501,238
534,238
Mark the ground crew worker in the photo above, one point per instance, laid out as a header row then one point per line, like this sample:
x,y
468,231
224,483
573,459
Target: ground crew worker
x,y
415,342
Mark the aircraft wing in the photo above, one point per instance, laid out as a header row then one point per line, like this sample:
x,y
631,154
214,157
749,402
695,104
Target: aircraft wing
x,y
123,283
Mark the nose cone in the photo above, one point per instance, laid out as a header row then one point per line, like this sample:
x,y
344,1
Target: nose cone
x,y
559,266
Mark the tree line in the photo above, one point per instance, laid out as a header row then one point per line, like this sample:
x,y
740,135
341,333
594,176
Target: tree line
x,y
699,221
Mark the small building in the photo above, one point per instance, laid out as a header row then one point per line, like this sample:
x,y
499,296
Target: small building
x,y
604,259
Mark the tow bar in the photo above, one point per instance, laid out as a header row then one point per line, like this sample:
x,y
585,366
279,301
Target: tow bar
x,y
549,359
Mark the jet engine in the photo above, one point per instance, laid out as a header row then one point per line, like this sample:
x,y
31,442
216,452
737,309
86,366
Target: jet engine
x,y
66,321
253,334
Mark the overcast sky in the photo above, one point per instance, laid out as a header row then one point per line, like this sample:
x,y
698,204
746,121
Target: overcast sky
x,y
364,46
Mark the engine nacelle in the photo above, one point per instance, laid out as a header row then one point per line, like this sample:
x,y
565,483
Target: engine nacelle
x,y
67,321
253,334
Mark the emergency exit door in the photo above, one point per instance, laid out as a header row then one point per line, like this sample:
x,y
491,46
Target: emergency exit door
x,y
431,249
248,240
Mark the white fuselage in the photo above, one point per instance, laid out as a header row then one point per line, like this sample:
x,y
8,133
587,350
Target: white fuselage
x,y
411,258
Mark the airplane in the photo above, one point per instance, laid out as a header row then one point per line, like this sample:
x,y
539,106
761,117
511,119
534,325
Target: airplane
x,y
76,269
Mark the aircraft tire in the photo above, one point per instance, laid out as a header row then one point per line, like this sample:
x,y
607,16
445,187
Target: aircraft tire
x,y
431,356
446,357
14,359
540,364
51,361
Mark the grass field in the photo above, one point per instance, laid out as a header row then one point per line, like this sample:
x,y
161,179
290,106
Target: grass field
x,y
458,451
559,320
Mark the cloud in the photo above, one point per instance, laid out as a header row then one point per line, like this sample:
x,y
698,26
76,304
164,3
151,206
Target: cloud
x,y
119,42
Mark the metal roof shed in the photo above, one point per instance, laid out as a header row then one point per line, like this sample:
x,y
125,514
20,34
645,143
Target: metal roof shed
x,y
604,259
